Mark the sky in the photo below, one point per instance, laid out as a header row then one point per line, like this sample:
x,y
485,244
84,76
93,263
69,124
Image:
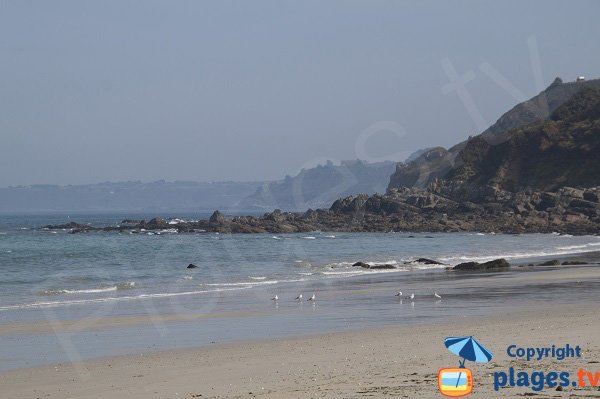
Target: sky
x,y
94,91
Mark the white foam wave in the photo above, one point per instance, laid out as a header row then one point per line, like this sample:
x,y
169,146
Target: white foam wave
x,y
242,284
258,277
310,238
113,288
520,255
114,299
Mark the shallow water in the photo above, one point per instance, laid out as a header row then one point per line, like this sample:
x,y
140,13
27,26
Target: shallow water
x,y
88,277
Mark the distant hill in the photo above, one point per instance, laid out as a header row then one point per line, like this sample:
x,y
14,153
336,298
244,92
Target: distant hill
x,y
435,163
126,196
320,186
562,150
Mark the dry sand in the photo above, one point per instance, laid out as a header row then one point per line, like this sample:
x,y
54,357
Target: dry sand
x,y
378,363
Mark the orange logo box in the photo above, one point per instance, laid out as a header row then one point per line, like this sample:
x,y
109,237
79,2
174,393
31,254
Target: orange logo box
x,y
455,382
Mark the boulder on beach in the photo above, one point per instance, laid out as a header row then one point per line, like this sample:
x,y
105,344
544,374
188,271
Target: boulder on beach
x,y
493,264
192,266
362,264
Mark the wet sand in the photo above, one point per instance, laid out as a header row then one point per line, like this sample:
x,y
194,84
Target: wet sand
x,y
383,362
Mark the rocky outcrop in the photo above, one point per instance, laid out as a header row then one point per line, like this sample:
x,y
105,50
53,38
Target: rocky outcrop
x,y
436,163
217,218
559,153
431,164
476,266
566,211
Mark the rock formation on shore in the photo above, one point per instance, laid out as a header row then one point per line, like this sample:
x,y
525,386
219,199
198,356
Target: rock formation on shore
x,y
544,177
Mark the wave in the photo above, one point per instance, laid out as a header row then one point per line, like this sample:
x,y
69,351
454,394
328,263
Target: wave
x,y
258,277
117,287
309,238
242,284
575,249
114,299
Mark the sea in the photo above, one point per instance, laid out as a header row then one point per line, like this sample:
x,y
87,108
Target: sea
x,y
108,293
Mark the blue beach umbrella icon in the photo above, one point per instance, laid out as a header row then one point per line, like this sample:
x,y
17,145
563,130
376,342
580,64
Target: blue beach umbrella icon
x,y
469,349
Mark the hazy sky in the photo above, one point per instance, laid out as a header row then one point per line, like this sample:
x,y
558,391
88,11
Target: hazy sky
x,y
250,90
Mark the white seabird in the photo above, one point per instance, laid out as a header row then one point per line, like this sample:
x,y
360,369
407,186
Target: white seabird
x,y
399,293
275,298
312,298
438,296
412,296
299,297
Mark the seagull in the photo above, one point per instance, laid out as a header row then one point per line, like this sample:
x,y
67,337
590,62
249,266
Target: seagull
x,y
399,293
299,297
438,296
412,296
275,298
312,298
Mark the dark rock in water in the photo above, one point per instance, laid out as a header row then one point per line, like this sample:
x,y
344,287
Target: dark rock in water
x,y
156,223
467,266
493,264
192,266
385,266
554,262
132,221
70,225
374,267
217,218
559,388
573,263
428,261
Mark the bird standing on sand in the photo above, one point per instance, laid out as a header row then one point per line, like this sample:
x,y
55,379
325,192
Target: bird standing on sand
x,y
438,296
275,298
312,298
412,296
299,297
399,293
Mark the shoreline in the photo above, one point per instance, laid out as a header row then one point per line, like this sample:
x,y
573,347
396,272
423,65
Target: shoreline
x,y
401,361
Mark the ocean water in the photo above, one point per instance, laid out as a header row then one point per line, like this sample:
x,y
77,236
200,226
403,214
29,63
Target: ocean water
x,y
59,277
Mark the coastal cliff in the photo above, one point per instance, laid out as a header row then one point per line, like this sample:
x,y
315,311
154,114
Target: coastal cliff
x,y
435,163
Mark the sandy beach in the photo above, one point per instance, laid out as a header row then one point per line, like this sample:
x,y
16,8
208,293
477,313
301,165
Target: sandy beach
x,y
384,362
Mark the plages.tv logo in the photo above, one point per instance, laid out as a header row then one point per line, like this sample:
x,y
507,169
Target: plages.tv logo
x,y
458,381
